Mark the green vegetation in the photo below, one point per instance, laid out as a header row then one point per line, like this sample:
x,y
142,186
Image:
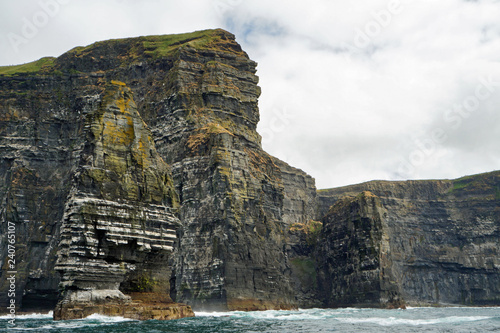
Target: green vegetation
x,y
305,265
159,46
40,65
462,183
311,229
305,270
144,284
485,184
163,45
130,49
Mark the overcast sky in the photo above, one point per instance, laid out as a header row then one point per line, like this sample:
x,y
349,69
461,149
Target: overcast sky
x,y
351,90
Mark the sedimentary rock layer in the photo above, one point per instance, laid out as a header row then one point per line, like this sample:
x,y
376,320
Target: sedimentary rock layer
x,y
354,264
118,218
435,242
40,143
236,200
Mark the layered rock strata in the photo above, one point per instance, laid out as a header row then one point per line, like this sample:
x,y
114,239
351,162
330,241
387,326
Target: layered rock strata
x,y
40,144
354,265
418,242
118,227
236,200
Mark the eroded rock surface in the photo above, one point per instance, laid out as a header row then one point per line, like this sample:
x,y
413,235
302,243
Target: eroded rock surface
x,y
118,228
354,265
432,242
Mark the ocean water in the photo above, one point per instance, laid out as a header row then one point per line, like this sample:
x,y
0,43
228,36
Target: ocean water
x,y
310,320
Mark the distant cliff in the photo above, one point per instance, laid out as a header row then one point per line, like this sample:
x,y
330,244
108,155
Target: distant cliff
x,y
135,178
414,242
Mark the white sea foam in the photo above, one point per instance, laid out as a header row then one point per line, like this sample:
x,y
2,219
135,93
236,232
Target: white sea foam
x,y
30,316
302,314
53,325
6,317
213,314
269,314
106,319
93,320
392,321
345,315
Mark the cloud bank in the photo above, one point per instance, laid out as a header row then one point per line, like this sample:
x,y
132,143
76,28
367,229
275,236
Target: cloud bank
x,y
379,89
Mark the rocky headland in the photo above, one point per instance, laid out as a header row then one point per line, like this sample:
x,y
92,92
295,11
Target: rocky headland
x,y
428,242
135,180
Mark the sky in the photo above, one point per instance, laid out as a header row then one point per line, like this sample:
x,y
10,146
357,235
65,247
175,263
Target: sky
x,y
352,91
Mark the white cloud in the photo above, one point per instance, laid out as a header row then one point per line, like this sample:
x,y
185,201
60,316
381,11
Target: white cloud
x,y
350,91
369,114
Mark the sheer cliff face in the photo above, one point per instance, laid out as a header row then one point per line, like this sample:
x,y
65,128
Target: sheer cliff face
x,y
236,200
354,266
421,242
88,137
40,138
118,223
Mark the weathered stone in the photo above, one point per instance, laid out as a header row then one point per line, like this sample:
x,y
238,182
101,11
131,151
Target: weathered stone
x,y
230,252
302,242
40,142
434,242
139,306
354,267
118,218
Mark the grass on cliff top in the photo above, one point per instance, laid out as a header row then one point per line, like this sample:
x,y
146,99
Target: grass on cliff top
x,y
164,45
130,49
489,181
218,39
31,67
483,183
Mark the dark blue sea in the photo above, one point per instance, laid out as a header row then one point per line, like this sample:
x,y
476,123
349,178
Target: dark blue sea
x,y
311,320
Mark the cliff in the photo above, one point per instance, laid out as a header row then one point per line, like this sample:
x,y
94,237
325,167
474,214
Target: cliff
x,y
133,177
98,197
118,224
118,153
412,242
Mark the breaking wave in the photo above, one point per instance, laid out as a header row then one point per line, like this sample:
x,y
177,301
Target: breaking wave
x,y
308,320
